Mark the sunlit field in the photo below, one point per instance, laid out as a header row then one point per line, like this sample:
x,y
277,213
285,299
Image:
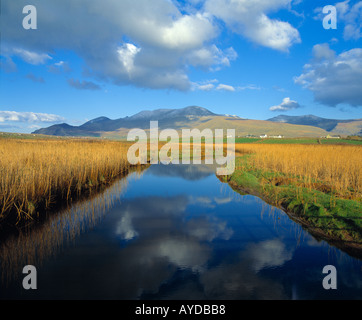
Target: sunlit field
x,y
35,174
38,174
330,168
319,186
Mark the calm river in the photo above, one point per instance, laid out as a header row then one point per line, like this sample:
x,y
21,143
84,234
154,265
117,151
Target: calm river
x,y
174,232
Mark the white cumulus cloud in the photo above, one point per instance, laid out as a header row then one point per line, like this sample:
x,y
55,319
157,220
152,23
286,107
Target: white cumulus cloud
x,y
206,87
31,117
150,44
32,57
351,15
286,105
143,43
225,87
249,18
334,79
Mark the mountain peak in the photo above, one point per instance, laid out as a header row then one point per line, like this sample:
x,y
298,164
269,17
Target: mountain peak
x,y
161,114
99,119
196,109
193,111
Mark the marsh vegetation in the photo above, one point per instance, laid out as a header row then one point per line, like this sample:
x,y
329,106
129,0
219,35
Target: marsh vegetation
x,y
38,174
321,184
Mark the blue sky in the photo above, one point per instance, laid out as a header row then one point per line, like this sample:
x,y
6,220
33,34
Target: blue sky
x,y
255,59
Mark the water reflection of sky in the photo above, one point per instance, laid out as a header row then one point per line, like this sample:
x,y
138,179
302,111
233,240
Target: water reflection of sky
x,y
179,233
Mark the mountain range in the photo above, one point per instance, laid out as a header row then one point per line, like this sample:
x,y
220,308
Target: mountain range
x,y
330,125
201,118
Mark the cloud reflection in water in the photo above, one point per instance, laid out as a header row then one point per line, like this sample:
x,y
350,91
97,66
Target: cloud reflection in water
x,y
176,234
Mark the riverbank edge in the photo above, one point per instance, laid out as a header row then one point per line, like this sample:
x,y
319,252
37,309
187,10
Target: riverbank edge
x,y
340,225
12,218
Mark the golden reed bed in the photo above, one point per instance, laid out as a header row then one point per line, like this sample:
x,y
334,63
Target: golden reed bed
x,y
338,167
36,173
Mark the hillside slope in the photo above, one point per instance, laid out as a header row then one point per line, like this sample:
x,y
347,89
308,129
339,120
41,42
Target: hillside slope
x,y
201,118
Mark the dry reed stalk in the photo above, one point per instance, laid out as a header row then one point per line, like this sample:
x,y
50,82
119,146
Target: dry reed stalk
x,y
334,168
35,172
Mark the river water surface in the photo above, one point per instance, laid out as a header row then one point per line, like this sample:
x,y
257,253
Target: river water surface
x,y
174,232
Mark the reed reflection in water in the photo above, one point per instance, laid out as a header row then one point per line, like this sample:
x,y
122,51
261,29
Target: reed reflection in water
x,y
32,247
178,233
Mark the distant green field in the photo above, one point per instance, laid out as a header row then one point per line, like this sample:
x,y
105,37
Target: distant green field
x,y
28,136
247,140
342,141
8,135
290,141
5,135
